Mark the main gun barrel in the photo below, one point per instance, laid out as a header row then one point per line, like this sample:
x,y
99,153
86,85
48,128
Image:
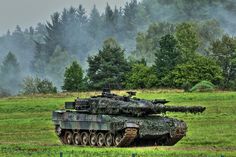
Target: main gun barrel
x,y
185,109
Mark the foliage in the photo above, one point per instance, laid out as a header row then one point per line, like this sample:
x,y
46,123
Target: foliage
x,y
94,23
208,32
35,85
167,57
188,40
141,76
203,86
61,32
192,37
29,85
224,52
45,87
109,66
73,78
147,42
188,74
130,18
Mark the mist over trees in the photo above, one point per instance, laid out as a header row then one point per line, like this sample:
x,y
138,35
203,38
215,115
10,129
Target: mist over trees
x,y
146,30
10,74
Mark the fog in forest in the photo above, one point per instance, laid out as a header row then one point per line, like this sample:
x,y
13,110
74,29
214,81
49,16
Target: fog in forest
x,y
45,49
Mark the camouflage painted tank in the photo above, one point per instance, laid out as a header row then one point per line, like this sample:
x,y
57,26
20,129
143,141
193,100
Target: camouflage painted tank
x,y
112,120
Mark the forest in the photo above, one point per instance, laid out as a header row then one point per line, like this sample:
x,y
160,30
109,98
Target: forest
x,y
147,44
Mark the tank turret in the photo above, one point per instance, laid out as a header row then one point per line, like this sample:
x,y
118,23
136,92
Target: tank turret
x,y
112,104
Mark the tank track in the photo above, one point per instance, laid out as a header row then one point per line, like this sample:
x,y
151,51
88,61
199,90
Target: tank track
x,y
128,137
61,138
172,141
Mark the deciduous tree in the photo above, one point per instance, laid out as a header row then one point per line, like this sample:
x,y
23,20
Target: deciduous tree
x,y
224,51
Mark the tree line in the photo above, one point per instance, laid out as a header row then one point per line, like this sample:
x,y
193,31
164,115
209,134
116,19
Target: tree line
x,y
177,64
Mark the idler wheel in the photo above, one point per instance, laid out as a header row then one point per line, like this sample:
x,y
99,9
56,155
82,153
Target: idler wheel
x,y
117,139
84,138
68,137
58,130
108,139
93,139
100,139
76,138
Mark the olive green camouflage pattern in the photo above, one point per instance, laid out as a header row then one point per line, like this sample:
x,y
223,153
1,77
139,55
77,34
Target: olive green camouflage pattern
x,y
112,120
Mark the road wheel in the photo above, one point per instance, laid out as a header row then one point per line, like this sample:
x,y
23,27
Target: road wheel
x,y
117,139
109,139
93,139
100,139
84,138
68,137
76,138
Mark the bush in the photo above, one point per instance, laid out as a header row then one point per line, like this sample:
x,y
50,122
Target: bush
x,y
192,72
231,85
141,76
203,86
45,87
36,86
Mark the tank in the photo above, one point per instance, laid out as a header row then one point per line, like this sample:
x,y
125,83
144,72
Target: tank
x,y
121,121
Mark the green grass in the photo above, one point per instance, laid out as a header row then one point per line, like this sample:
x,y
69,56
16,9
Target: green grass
x,y
26,128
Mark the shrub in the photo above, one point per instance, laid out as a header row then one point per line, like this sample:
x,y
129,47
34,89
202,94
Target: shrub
x,y
35,86
192,72
203,86
141,76
46,86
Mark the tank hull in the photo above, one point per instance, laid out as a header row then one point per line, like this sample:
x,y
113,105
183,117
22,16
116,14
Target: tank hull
x,y
121,131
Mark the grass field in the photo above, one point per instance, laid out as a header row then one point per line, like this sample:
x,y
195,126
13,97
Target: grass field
x,y
26,128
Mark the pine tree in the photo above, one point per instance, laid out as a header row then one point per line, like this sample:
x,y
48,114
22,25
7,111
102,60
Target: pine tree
x,y
39,62
147,43
168,56
109,66
53,37
95,28
56,67
130,20
81,15
109,20
73,81
10,74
